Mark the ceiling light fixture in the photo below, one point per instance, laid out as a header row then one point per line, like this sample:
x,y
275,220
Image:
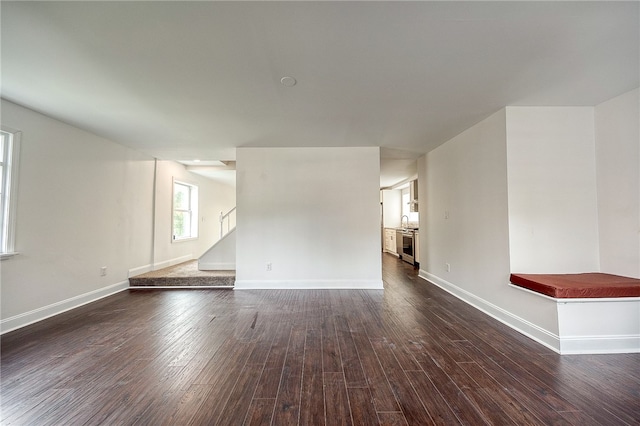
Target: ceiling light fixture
x,y
288,81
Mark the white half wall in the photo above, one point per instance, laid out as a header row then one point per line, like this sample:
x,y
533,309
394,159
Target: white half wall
x,y
221,256
312,214
553,222
599,325
617,131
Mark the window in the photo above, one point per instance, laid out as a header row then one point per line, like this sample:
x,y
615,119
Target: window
x,y
406,206
9,152
185,211
406,202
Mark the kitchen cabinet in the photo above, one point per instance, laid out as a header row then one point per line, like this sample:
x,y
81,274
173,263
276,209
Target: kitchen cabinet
x,y
390,241
413,196
416,249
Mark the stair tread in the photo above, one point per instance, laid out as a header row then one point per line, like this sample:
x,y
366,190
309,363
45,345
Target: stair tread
x,y
184,274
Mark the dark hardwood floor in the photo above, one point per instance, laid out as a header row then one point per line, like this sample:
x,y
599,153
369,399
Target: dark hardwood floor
x,y
412,354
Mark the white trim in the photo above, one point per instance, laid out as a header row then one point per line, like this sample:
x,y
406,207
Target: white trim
x,y
215,266
539,334
12,168
39,314
171,262
345,284
13,201
599,300
535,293
139,270
194,201
184,240
600,344
9,255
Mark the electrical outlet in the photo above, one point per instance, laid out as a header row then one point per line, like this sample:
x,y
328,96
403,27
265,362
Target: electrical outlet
x,y
446,214
103,271
269,266
448,267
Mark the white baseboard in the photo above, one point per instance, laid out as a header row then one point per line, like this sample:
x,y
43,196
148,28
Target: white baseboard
x,y
392,253
213,266
600,345
159,265
171,262
308,285
139,270
540,335
27,318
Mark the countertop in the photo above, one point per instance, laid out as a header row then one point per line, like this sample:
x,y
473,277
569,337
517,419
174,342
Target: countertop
x,y
404,229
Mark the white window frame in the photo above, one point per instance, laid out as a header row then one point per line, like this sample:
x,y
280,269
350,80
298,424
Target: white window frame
x,y
8,201
192,211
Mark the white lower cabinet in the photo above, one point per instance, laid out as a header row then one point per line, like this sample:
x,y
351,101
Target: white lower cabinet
x,y
390,240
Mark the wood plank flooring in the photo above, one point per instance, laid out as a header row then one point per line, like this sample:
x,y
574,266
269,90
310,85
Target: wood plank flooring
x,y
411,355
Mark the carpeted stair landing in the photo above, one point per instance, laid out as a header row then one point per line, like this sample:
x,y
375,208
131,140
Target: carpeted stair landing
x,y
184,275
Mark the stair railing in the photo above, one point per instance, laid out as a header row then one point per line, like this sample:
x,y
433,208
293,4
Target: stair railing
x,y
227,217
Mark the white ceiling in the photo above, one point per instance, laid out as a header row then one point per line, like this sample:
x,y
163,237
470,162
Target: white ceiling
x,y
186,80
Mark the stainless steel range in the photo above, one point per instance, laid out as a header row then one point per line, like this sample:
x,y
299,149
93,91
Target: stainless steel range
x,y
405,241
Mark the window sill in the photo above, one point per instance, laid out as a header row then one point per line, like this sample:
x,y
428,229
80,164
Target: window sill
x,y
8,255
182,240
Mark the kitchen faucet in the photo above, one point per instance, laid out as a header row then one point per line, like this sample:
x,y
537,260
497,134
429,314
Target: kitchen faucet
x,y
401,219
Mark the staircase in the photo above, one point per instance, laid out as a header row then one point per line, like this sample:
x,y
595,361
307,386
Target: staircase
x,y
184,275
215,268
222,255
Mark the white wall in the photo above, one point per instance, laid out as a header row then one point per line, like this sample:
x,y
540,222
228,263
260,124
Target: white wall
x,y
464,222
466,181
391,207
313,213
618,183
519,190
553,223
83,202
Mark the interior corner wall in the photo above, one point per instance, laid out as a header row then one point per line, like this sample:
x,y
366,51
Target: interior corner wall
x,y
553,224
83,202
618,183
213,198
312,214
464,223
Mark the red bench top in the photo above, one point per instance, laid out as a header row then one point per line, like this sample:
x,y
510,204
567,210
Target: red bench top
x,y
572,286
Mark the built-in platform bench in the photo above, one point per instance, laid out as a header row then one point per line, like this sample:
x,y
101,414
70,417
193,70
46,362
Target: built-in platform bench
x,y
597,313
590,285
